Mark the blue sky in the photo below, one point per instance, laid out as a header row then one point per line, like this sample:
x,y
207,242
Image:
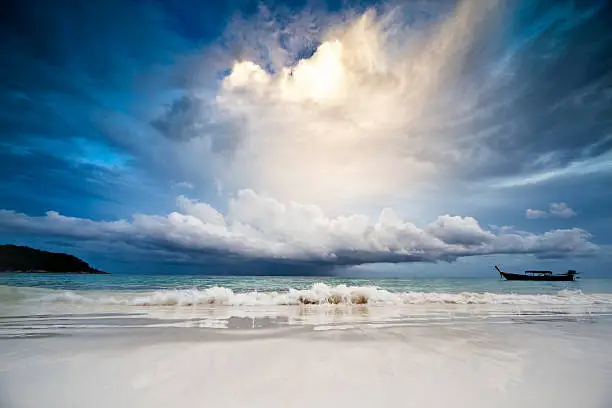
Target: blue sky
x,y
399,138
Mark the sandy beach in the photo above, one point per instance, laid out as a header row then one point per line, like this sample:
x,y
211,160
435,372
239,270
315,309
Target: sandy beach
x,y
437,355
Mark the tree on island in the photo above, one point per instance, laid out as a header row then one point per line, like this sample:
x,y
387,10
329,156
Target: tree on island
x,y
14,258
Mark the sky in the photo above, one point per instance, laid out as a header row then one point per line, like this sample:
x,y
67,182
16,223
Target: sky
x,y
366,138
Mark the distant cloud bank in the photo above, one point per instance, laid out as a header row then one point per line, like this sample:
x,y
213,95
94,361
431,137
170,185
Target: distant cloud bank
x,y
260,227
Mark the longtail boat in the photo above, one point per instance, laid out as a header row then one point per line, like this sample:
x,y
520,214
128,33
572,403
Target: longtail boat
x,y
538,275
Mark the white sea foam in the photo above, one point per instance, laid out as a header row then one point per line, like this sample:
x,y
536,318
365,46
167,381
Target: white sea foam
x,y
320,294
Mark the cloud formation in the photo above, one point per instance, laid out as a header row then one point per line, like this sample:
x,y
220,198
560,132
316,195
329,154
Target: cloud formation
x,y
364,105
260,227
375,100
420,106
559,210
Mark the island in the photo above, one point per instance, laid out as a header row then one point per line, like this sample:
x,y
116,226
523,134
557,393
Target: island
x,y
23,259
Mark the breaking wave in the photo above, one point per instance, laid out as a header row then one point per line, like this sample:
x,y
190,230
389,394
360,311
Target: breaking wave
x,y
320,294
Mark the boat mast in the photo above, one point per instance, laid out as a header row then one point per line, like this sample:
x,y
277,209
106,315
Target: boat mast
x,y
499,270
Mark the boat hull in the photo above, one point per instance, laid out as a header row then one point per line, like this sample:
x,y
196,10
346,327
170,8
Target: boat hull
x,y
545,278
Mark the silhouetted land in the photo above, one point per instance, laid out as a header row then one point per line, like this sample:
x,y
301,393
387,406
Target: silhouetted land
x,y
15,258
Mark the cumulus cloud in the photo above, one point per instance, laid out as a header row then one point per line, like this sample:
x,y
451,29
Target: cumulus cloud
x,y
260,227
322,101
357,119
559,210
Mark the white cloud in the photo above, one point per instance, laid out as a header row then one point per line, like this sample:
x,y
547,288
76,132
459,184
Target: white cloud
x,y
460,230
353,113
261,227
359,121
559,210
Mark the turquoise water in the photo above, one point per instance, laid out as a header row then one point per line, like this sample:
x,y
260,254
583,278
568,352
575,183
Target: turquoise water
x,y
279,284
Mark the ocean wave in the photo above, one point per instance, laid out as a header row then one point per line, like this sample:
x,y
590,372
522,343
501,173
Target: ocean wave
x,y
321,294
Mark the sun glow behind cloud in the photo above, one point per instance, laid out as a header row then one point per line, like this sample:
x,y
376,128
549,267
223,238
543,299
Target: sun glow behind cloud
x,y
300,133
355,122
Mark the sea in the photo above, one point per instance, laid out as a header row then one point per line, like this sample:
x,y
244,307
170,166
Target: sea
x,y
197,341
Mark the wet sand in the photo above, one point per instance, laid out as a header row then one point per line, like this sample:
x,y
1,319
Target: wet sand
x,y
555,363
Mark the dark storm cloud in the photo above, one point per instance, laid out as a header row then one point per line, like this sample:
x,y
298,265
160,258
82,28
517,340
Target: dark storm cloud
x,y
181,121
35,182
546,101
65,64
69,69
192,117
49,174
101,42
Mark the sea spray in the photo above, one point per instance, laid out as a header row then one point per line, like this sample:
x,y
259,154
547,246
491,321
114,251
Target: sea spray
x,y
317,294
